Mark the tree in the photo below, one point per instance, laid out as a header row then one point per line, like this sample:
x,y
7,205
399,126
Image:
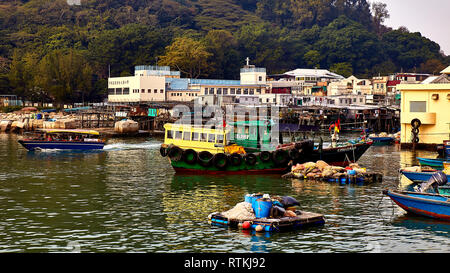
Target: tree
x,y
432,66
188,56
312,59
65,75
225,56
344,69
380,14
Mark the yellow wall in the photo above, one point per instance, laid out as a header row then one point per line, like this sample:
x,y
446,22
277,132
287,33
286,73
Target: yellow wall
x,y
436,119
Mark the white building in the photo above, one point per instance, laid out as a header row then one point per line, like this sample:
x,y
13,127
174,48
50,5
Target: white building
x,y
147,85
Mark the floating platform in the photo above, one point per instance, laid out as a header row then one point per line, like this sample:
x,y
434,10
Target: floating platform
x,y
303,220
368,178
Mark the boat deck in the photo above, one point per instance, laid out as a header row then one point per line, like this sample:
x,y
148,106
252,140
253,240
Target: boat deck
x,y
304,219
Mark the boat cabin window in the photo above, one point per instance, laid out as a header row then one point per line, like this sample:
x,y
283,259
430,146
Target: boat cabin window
x,y
211,138
170,134
186,136
204,136
178,134
195,136
219,139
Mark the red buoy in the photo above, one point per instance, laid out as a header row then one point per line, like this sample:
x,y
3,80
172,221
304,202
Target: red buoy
x,y
246,225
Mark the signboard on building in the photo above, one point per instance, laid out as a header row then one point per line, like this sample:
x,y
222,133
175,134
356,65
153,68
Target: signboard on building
x,y
152,112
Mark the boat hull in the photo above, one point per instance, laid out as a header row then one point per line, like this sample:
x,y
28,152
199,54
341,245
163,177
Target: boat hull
x,y
32,145
424,204
419,176
381,141
435,163
259,168
340,156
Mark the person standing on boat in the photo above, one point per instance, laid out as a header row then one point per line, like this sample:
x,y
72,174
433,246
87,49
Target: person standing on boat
x,y
335,135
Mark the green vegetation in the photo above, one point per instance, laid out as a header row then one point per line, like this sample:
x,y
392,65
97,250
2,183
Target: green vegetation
x,y
52,51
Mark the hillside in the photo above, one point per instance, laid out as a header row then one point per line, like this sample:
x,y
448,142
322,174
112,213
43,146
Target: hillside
x,y
54,51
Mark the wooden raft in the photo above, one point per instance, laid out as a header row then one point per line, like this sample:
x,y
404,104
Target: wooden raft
x,y
367,178
304,219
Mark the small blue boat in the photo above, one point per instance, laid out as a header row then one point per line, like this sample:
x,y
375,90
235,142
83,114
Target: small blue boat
x,y
380,141
435,163
63,139
419,176
424,204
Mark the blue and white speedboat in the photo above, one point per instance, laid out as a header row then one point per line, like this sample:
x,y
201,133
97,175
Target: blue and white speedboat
x,y
63,139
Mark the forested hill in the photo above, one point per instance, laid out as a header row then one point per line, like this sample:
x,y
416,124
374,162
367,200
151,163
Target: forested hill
x,y
52,50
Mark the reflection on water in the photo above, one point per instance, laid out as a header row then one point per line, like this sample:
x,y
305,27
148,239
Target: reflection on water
x,y
127,198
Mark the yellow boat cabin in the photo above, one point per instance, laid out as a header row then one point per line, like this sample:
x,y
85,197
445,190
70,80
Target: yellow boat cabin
x,y
197,138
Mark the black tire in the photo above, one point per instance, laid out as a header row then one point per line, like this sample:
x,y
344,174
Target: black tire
x,y
416,140
294,154
251,159
416,123
298,145
220,161
190,156
236,159
415,131
163,151
175,153
265,156
280,157
205,158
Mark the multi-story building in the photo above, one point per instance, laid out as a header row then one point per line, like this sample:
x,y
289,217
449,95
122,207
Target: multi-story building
x,y
429,103
160,84
300,81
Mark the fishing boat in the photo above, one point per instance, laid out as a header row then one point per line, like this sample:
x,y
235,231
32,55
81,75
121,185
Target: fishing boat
x,y
342,155
436,163
244,147
424,204
419,176
63,139
381,141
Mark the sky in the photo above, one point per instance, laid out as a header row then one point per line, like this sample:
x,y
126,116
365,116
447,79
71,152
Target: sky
x,y
430,17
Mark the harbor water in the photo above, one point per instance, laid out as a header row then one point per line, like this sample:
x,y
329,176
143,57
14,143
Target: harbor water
x,y
127,198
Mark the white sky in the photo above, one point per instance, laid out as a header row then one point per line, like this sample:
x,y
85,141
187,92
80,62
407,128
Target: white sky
x,y
430,17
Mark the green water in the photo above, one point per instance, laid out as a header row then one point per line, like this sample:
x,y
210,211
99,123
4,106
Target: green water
x,y
127,198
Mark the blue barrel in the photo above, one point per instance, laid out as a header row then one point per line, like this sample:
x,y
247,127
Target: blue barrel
x,y
262,208
251,198
39,116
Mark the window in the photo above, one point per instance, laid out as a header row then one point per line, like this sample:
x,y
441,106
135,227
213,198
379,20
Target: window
x,y
417,106
178,135
195,136
220,139
118,91
126,91
225,91
238,91
170,134
186,136
204,136
246,91
232,91
211,138
260,78
142,90
211,91
161,91
111,91
219,91
155,91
